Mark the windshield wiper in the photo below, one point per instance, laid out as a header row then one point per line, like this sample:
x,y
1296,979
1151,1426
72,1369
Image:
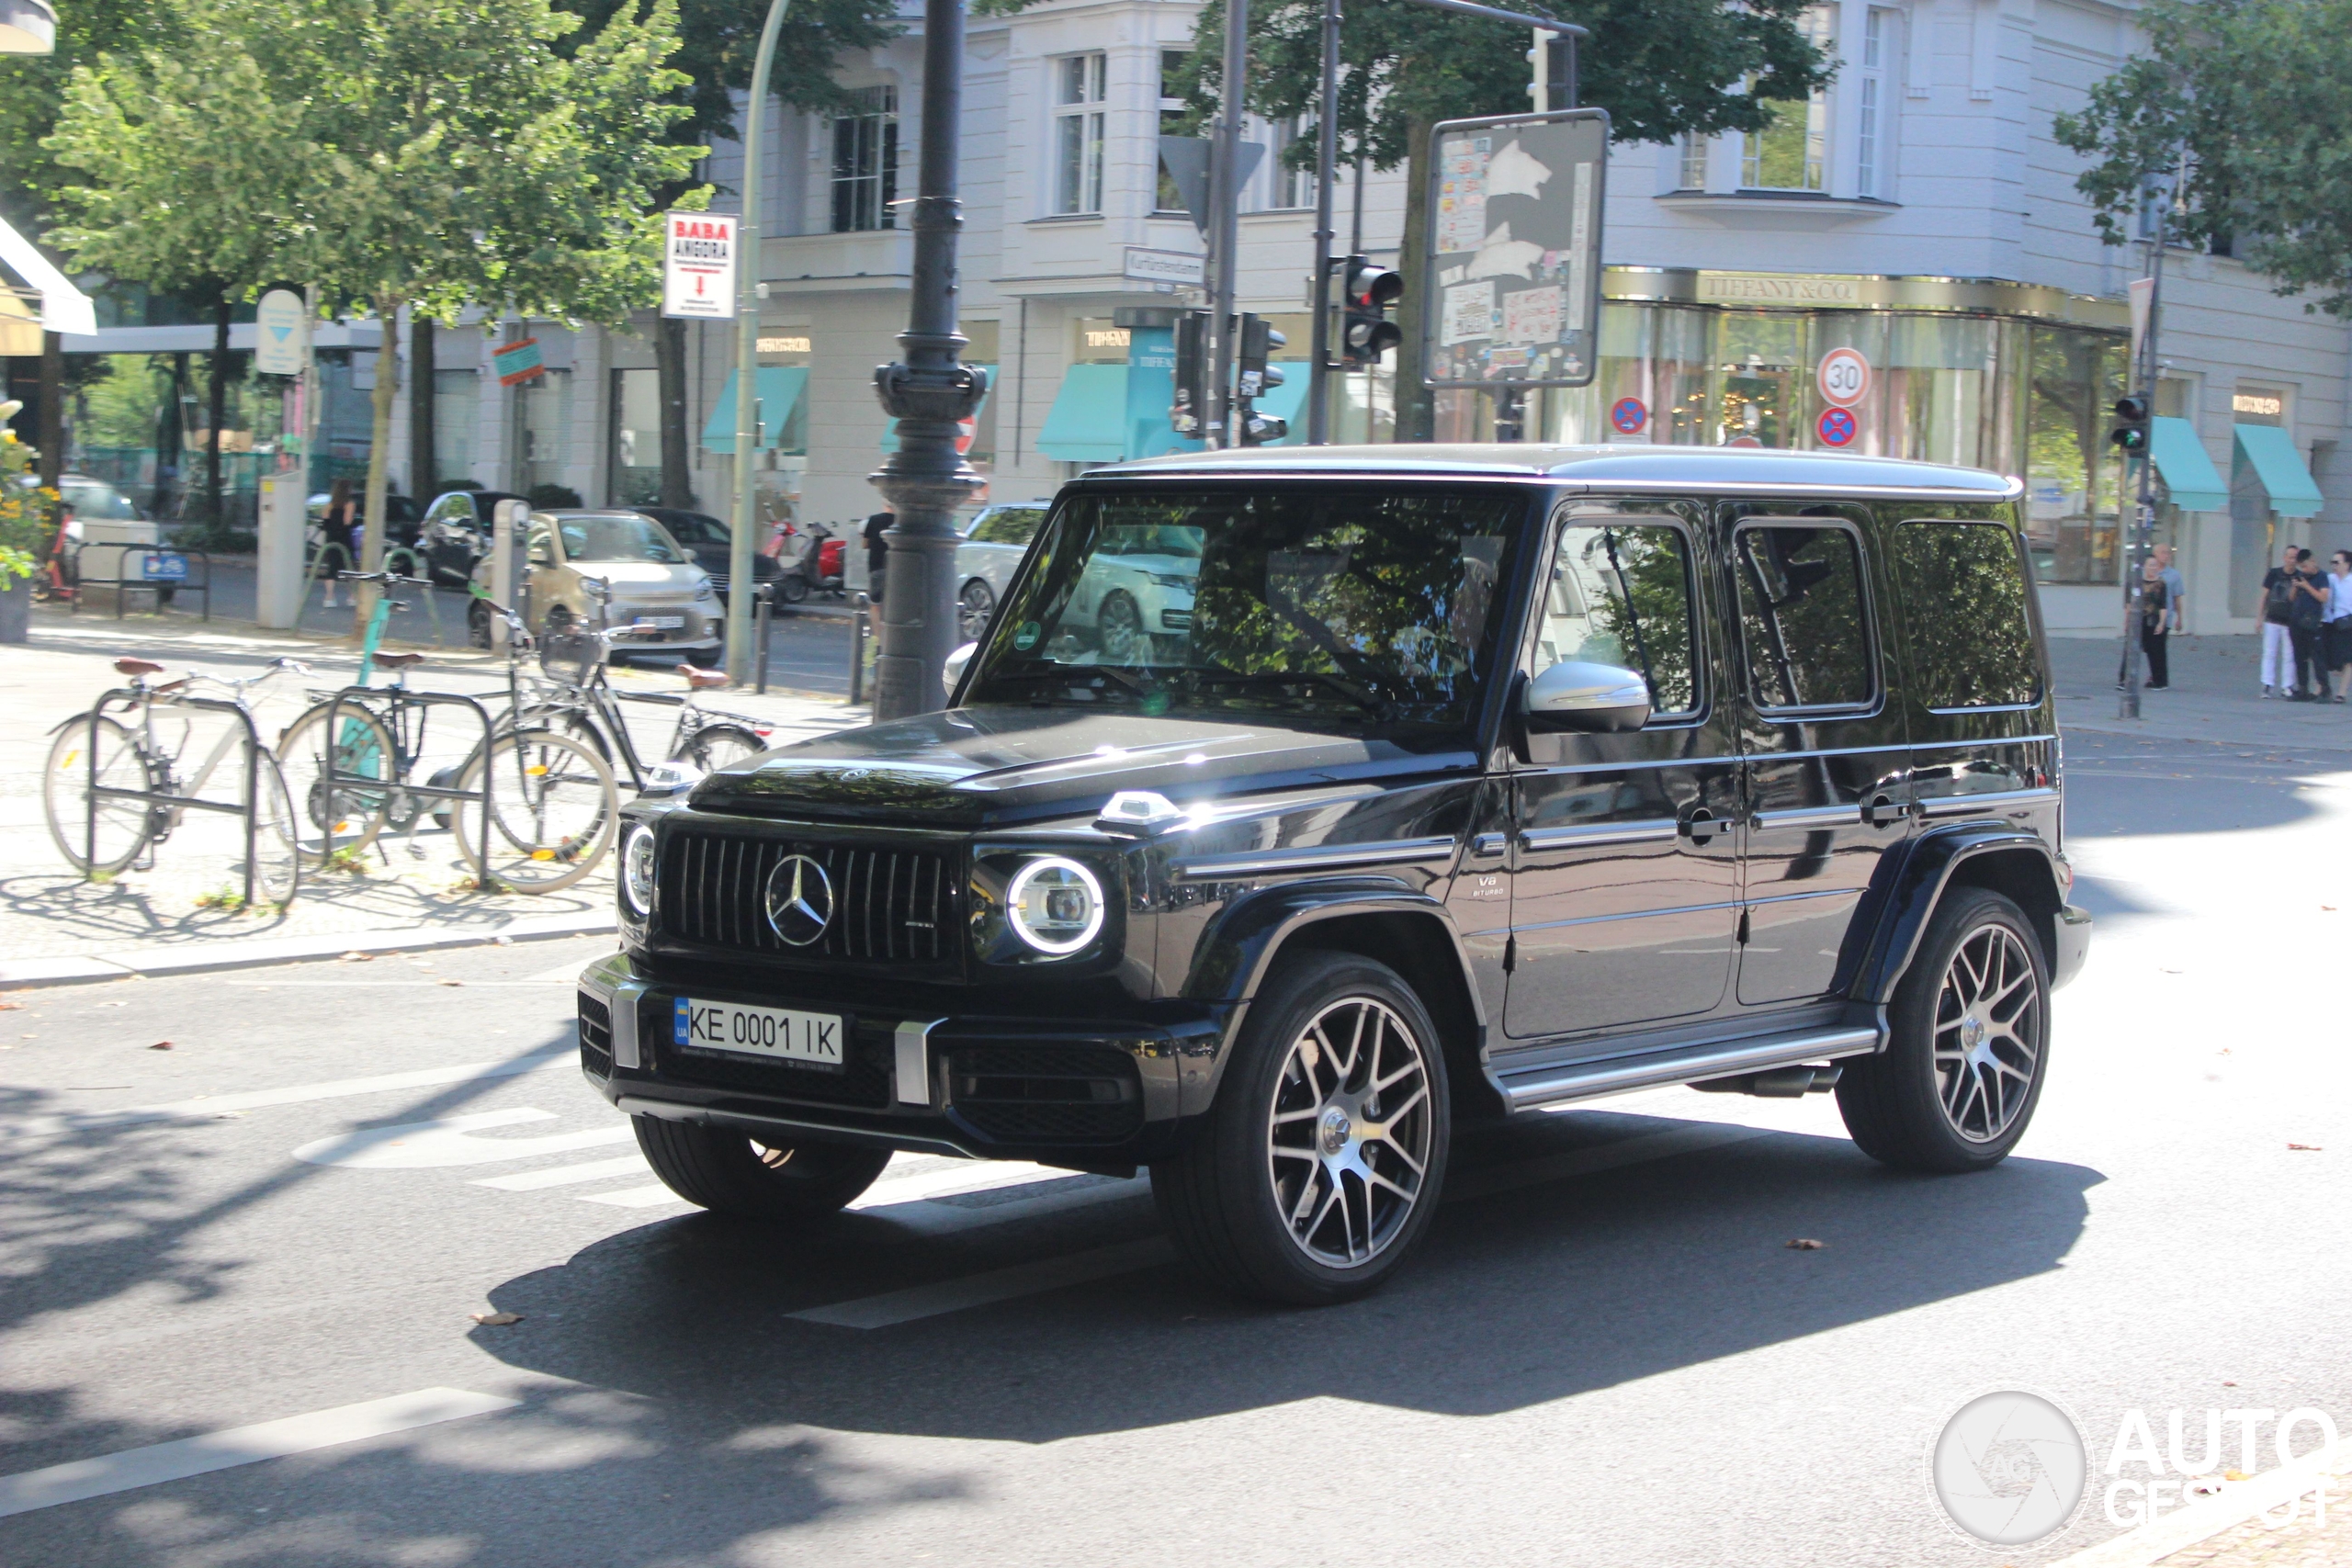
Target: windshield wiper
x,y
1078,675
1379,707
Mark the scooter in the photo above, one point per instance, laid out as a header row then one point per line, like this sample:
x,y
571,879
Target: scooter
x,y
820,567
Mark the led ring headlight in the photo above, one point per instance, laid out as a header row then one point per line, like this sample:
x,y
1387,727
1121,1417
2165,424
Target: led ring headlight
x,y
636,870
1056,905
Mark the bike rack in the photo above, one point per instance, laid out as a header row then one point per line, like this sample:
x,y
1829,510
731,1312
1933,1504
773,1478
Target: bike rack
x,y
123,586
358,697
253,749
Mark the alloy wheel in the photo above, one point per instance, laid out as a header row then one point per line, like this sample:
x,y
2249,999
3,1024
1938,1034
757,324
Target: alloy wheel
x,y
1987,1034
1348,1132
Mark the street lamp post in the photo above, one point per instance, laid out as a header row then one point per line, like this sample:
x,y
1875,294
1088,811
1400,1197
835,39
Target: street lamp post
x,y
930,393
740,548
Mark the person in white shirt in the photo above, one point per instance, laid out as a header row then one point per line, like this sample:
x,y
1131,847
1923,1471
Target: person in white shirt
x,y
2338,630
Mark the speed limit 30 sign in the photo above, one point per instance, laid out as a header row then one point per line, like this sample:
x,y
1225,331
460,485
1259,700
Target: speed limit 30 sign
x,y
1844,377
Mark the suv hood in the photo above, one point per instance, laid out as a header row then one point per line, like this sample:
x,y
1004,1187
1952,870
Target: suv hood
x,y
974,766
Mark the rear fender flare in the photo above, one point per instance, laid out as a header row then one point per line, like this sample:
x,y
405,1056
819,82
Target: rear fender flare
x,y
1904,897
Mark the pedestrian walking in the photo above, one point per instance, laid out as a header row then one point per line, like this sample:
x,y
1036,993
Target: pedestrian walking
x,y
2168,588
2155,623
877,554
2174,584
2337,633
338,540
2307,615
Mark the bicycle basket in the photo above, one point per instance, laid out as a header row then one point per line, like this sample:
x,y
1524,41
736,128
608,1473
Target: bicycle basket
x,y
571,656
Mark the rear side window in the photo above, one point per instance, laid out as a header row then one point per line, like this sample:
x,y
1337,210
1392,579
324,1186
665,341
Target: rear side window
x,y
1963,588
1801,617
1009,525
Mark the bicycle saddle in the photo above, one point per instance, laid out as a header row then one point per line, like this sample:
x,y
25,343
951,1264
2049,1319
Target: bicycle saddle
x,y
702,680
137,667
399,660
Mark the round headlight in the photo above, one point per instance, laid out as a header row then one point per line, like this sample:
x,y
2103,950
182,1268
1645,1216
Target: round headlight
x,y
636,870
1056,905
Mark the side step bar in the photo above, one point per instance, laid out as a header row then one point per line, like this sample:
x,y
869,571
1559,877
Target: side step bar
x,y
1558,1083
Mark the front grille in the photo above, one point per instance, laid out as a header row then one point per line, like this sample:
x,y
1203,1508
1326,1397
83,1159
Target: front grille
x,y
1047,1094
596,1037
889,905
863,1078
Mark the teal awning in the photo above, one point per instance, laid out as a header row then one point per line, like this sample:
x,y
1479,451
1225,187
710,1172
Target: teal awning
x,y
2190,476
780,387
1088,423
2271,453
890,426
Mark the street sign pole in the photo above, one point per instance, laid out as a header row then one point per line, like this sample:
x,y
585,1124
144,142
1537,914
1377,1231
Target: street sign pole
x,y
2145,503
743,546
1225,206
1326,158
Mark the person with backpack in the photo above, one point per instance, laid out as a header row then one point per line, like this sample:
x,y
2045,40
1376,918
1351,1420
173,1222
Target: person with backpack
x,y
2307,613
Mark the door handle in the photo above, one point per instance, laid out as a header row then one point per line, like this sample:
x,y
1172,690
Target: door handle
x,y
1701,826
1885,811
1486,846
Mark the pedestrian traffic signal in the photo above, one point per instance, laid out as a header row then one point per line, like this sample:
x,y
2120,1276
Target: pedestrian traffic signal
x,y
1192,405
1368,294
1257,340
2131,432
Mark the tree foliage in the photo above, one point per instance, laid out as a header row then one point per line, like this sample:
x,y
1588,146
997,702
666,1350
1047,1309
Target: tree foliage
x,y
32,89
2247,100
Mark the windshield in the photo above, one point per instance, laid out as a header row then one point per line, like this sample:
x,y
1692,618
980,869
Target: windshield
x,y
96,498
691,529
1370,604
617,540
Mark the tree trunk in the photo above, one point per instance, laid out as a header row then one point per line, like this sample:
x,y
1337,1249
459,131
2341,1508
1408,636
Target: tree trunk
x,y
670,358
1415,409
215,517
52,433
423,463
379,454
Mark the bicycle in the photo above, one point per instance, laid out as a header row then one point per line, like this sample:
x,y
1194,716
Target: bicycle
x,y
550,797
585,704
372,742
112,792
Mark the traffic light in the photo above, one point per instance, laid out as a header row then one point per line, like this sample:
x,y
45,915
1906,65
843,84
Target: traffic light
x,y
2131,432
1192,404
1367,293
1258,341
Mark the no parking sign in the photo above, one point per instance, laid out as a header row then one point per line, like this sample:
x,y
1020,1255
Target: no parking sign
x,y
1837,427
1629,415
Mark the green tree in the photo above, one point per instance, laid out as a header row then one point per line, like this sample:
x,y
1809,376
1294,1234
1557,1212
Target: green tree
x,y
2248,99
717,39
1661,68
396,154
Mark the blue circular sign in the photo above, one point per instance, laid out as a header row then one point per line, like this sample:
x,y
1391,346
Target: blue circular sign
x,y
1629,415
1836,426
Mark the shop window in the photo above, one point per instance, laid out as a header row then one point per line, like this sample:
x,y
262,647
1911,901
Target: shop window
x,y
2073,476
457,425
866,162
1964,603
1806,643
1792,151
1283,186
542,430
1080,90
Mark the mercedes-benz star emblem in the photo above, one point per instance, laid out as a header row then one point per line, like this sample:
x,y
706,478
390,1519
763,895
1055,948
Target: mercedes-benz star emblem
x,y
801,900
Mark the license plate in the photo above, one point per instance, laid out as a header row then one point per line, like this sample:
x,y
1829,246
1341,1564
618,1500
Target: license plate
x,y
661,623
814,1038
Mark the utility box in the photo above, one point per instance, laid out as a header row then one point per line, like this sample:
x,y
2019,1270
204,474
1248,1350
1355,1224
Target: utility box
x,y
278,579
112,543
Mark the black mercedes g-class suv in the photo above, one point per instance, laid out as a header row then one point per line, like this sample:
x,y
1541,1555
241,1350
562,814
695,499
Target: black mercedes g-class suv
x,y
1440,782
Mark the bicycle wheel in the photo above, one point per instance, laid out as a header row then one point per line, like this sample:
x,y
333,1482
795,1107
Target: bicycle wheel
x,y
552,811
123,826
715,746
346,816
277,851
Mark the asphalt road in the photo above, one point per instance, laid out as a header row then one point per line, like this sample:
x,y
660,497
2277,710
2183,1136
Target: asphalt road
x,y
1608,1354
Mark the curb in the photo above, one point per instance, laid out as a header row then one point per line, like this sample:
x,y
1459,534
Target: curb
x,y
212,957
2238,1502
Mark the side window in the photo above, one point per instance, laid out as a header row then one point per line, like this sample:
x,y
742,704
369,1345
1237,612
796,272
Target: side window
x,y
1800,623
1009,525
1621,594
1963,588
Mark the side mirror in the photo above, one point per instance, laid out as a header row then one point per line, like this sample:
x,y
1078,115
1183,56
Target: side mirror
x,y
541,553
955,667
1593,699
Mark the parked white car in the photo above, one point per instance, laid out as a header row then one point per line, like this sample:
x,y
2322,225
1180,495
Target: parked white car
x,y
1137,592
993,548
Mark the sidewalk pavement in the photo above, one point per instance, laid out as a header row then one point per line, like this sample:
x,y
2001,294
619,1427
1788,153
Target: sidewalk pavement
x,y
411,892
2297,1516
2216,695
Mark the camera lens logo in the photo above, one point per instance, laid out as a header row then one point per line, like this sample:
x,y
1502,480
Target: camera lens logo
x,y
799,900
2009,1468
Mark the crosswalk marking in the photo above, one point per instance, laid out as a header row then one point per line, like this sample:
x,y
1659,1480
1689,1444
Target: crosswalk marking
x,y
651,1197
565,1175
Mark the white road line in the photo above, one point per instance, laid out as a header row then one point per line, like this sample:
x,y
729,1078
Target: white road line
x,y
452,1140
651,1197
564,1175
133,1468
1003,1284
997,1285
302,1094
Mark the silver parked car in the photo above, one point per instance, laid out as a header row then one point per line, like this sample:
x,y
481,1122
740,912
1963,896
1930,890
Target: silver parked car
x,y
653,584
999,536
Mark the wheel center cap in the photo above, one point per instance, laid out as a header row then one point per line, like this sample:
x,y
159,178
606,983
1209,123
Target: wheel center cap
x,y
1971,1031
1336,1128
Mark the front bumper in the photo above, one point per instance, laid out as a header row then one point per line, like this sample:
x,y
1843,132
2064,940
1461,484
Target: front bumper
x,y
2072,931
1084,1093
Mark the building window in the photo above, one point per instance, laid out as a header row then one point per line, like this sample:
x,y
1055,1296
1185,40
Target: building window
x,y
635,478
543,432
866,162
1079,83
1873,125
1168,198
1694,163
1792,151
1286,186
457,423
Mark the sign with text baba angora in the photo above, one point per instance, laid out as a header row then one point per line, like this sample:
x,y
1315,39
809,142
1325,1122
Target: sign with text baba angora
x,y
1514,253
698,265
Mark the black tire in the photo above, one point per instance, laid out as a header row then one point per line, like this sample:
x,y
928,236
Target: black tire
x,y
792,588
477,623
1961,1075
707,658
975,602
1225,1198
730,1174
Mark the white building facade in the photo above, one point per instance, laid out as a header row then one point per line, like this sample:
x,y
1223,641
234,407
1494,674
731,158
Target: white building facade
x,y
1916,213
